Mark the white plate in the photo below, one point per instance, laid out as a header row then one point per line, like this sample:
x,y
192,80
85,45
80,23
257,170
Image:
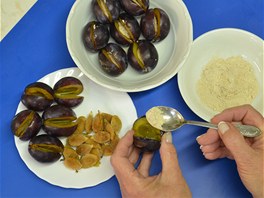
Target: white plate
x,y
173,50
222,43
95,98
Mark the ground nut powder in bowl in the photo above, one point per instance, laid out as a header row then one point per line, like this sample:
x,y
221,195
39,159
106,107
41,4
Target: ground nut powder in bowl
x,y
226,83
226,67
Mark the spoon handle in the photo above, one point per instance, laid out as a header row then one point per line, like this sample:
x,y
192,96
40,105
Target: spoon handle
x,y
245,130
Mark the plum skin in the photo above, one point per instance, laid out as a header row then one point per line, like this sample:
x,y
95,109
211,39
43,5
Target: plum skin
x,y
95,36
45,148
59,120
146,137
125,30
37,96
155,17
67,90
133,8
148,56
113,59
31,129
112,12
145,144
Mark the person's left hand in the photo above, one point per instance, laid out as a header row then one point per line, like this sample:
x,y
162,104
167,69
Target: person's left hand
x,y
137,182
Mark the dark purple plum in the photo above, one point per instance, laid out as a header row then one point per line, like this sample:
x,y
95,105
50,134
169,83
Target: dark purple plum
x,y
37,96
155,25
106,11
125,30
67,90
142,56
59,120
113,59
135,7
45,148
95,36
146,137
26,124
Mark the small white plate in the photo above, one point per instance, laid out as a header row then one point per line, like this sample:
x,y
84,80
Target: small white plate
x,y
95,98
221,43
173,50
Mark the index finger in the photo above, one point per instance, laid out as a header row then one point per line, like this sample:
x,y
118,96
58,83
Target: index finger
x,y
245,113
120,157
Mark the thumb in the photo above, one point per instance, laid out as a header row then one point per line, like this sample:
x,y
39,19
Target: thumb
x,y
168,154
233,140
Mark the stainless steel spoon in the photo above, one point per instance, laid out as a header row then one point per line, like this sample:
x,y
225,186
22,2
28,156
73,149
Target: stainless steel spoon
x,y
169,119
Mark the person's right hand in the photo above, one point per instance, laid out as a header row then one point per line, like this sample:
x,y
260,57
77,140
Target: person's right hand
x,y
228,142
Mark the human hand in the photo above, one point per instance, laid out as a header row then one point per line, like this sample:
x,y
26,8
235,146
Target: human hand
x,y
228,142
137,183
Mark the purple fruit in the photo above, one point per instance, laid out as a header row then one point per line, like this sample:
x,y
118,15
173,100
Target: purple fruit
x,y
142,56
125,30
135,7
155,25
113,59
67,90
26,124
95,36
37,96
106,11
59,120
45,148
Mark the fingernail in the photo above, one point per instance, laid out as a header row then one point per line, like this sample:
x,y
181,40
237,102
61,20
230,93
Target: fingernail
x,y
201,146
168,137
198,137
223,127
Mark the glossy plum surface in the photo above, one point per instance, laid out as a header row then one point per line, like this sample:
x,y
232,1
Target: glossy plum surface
x,y
106,11
67,90
142,56
26,124
59,120
155,25
113,59
45,148
37,96
95,36
146,137
125,30
135,7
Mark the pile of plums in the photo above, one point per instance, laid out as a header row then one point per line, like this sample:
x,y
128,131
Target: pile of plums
x,y
58,118
125,21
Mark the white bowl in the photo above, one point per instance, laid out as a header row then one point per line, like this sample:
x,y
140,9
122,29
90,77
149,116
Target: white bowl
x,y
173,50
222,43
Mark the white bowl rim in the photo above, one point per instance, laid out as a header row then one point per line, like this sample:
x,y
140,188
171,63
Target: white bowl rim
x,y
226,30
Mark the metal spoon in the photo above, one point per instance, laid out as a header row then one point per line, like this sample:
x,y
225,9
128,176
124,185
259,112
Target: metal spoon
x,y
169,119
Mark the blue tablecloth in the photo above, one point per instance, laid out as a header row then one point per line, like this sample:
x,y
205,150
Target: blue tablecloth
x,y
37,46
